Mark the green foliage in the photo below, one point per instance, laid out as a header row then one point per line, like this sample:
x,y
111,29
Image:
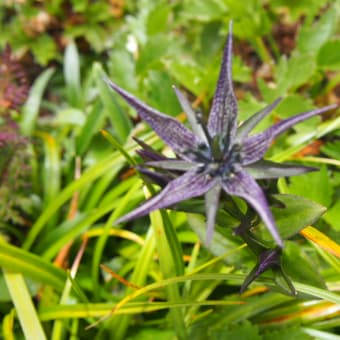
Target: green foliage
x,y
316,186
292,333
63,188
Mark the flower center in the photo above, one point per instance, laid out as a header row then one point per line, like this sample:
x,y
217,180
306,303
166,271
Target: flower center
x,y
218,163
229,164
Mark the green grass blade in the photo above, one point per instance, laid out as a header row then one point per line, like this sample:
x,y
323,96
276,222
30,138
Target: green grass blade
x,y
119,120
72,75
30,265
51,169
102,240
168,259
104,309
30,110
94,122
138,277
88,176
26,312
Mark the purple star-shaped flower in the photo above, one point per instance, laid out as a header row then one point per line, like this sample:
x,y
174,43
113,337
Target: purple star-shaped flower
x,y
217,156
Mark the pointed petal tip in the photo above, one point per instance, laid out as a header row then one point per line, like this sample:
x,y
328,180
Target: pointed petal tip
x,y
120,220
280,243
111,84
108,81
333,106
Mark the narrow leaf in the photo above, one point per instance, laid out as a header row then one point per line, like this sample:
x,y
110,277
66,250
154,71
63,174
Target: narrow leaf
x,y
321,240
30,265
27,314
30,110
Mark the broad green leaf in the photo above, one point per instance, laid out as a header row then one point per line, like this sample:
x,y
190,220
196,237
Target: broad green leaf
x,y
292,213
44,48
315,185
244,331
188,75
251,21
312,37
151,53
332,216
157,20
295,9
294,72
161,94
293,104
328,57
291,333
202,10
79,6
300,267
122,69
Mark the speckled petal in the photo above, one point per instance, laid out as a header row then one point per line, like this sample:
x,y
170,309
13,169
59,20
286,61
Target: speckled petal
x,y
244,130
254,147
223,114
191,184
263,169
212,198
243,185
175,134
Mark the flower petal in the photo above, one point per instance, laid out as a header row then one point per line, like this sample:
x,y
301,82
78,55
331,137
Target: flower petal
x,y
196,125
256,146
269,259
173,133
212,198
243,185
250,123
173,164
189,185
264,169
223,114
147,153
161,179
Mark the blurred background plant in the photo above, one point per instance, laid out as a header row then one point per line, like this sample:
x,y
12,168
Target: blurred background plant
x,y
62,184
14,170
